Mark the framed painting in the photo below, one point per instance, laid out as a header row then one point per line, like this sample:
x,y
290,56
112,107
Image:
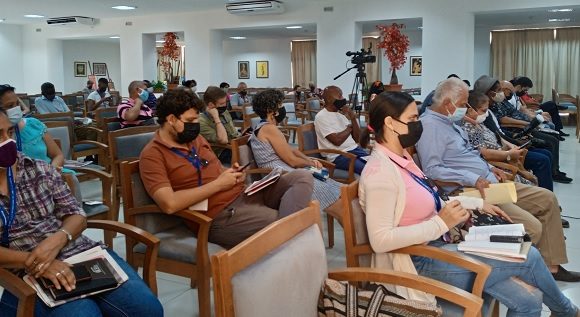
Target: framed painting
x,y
262,70
243,70
100,69
80,69
416,65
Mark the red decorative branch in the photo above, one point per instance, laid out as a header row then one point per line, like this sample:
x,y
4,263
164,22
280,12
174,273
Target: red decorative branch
x,y
169,53
395,43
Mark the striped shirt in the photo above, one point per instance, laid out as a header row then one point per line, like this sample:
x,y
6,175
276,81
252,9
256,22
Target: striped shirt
x,y
43,200
145,114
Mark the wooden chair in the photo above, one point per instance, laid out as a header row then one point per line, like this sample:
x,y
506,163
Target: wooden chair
x,y
106,120
313,106
251,119
268,274
242,154
126,145
359,251
181,252
559,98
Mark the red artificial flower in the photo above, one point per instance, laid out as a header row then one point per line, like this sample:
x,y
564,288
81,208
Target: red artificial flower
x,y
395,43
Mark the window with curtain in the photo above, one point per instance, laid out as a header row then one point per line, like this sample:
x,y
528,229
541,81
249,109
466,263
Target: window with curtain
x,y
568,62
373,70
303,56
528,53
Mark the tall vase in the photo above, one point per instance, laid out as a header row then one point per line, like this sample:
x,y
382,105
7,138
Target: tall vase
x,y
394,78
394,83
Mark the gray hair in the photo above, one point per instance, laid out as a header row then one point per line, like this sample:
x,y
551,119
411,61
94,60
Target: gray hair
x,y
134,85
451,88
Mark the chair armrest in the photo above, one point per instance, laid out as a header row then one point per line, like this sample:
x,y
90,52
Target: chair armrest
x,y
512,169
481,269
328,165
25,294
350,156
89,128
99,145
471,302
219,145
102,175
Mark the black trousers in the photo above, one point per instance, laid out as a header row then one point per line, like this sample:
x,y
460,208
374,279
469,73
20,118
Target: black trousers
x,y
552,145
551,108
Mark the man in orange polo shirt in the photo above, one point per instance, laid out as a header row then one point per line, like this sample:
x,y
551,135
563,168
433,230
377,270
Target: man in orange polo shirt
x,y
179,170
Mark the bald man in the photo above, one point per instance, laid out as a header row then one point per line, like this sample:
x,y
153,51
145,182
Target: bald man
x,y
337,129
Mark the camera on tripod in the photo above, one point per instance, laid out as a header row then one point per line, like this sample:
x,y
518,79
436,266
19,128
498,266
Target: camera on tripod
x,y
361,57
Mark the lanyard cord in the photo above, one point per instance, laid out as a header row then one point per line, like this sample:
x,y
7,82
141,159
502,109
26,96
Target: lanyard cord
x,y
18,138
425,184
8,219
193,159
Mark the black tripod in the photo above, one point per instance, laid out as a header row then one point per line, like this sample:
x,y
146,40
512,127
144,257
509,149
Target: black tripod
x,y
360,83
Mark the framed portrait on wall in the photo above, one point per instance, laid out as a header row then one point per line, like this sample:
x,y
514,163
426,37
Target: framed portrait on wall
x,y
262,70
80,69
416,65
243,70
100,69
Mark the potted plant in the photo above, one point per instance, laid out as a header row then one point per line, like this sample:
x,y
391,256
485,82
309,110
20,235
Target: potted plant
x,y
396,45
158,86
167,56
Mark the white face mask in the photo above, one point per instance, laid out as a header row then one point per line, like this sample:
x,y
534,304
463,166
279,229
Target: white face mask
x,y
194,89
14,114
499,97
480,118
458,114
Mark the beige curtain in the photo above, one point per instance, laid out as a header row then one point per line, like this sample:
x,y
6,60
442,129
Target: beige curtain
x,y
568,61
529,53
373,70
303,58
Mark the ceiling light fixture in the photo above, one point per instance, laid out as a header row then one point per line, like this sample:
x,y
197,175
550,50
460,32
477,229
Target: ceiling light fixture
x,y
114,37
160,41
124,7
294,27
558,20
34,16
2,20
238,37
420,27
560,10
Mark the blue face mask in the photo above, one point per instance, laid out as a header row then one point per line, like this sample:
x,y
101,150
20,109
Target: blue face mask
x,y
144,95
458,114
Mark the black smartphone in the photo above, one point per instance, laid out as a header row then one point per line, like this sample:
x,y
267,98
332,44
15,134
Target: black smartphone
x,y
525,145
241,168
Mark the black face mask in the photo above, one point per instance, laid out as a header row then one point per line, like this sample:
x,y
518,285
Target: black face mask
x,y
221,110
509,97
243,93
339,103
190,132
414,134
102,90
50,95
520,93
281,115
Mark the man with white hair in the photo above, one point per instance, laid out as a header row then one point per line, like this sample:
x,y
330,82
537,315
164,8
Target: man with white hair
x,y
446,155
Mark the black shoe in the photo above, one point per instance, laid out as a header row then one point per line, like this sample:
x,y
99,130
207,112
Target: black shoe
x,y
562,107
565,223
559,178
565,275
562,133
559,137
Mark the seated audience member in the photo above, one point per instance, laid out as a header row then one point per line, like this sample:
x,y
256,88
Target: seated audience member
x,y
30,133
314,92
271,150
190,84
216,123
522,84
47,229
446,155
491,149
226,87
179,170
49,102
376,89
100,97
152,100
298,94
238,99
337,129
428,101
402,210
88,88
133,111
491,87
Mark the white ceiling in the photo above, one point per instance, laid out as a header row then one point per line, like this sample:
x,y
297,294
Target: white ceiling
x,y
308,31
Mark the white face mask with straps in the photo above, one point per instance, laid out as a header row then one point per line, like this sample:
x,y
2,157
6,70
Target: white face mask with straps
x,y
480,118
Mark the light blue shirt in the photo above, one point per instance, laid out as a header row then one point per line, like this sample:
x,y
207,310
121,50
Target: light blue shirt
x,y
446,154
238,100
44,105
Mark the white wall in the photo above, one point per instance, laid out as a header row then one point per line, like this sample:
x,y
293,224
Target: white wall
x,y
11,71
404,74
482,58
94,51
275,51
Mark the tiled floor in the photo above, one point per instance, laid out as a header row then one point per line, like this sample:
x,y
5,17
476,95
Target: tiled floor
x,y
179,300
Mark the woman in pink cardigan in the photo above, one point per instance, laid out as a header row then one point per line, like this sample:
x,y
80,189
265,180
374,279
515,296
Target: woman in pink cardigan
x,y
402,209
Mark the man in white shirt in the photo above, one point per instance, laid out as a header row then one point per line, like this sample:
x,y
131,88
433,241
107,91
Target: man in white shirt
x,y
100,97
337,129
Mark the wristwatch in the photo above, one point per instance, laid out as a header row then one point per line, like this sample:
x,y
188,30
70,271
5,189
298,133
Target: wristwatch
x,y
69,236
509,157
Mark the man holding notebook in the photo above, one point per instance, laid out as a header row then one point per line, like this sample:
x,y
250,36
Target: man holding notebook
x,y
180,171
446,155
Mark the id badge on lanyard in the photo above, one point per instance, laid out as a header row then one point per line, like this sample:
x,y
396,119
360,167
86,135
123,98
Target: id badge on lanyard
x,y
8,218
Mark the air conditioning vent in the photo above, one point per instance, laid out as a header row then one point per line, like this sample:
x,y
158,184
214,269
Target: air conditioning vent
x,y
255,7
72,21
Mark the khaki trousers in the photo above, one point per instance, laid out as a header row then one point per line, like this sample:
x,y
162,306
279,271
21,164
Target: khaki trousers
x,y
538,210
249,214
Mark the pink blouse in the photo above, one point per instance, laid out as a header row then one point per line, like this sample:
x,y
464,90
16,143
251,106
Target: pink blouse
x,y
420,205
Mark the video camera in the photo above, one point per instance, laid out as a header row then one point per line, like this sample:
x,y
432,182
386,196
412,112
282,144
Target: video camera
x,y
362,56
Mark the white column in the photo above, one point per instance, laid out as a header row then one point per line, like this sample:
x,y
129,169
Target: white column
x,y
149,57
131,61
197,57
216,59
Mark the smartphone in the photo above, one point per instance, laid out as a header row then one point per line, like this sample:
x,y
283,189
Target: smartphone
x,y
525,145
241,168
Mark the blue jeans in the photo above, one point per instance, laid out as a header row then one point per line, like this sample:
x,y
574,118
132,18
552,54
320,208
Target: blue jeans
x,y
343,163
540,162
521,300
132,298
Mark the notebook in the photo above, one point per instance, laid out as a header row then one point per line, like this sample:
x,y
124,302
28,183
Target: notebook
x,y
264,182
477,242
495,194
